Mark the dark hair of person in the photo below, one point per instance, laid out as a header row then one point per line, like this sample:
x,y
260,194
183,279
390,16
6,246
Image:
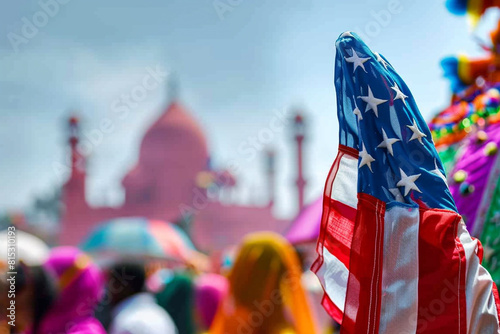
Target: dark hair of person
x,y
44,287
134,273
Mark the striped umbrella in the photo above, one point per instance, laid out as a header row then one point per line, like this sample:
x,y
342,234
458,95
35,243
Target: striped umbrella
x,y
140,237
29,248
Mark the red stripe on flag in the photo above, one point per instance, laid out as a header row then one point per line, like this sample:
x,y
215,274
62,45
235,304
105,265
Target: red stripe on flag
x,y
349,151
479,250
442,268
326,212
333,218
340,227
497,300
332,309
362,308
462,299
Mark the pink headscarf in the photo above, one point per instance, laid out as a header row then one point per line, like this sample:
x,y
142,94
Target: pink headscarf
x,y
80,284
210,291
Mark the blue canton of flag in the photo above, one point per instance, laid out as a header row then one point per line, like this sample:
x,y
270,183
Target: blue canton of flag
x,y
386,127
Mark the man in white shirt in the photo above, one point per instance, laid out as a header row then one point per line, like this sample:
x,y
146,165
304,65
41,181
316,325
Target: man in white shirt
x,y
135,311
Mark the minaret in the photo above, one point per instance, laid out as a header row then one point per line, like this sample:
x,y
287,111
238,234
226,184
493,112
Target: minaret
x,y
74,188
299,133
271,179
75,212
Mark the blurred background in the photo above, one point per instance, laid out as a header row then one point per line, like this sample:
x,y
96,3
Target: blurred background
x,y
189,124
235,65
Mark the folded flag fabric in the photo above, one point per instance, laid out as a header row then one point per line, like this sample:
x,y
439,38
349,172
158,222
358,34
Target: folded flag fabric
x,y
394,255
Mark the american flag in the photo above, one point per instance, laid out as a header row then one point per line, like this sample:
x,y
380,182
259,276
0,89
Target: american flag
x,y
394,254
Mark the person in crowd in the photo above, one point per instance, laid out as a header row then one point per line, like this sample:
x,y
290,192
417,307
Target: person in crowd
x,y
34,294
177,298
80,285
103,310
265,291
210,290
4,327
135,311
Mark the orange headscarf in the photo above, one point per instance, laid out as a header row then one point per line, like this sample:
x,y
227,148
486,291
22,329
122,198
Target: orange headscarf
x,y
265,294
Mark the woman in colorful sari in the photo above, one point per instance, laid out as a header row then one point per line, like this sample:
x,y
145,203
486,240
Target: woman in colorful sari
x,y
80,286
177,298
265,291
210,291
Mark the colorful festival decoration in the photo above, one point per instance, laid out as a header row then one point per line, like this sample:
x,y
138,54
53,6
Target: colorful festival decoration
x,y
474,9
467,136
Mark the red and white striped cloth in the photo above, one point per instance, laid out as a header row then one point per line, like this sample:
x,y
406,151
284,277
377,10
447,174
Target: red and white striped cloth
x,y
400,265
425,277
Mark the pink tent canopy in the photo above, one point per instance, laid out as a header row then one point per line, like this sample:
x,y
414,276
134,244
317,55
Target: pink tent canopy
x,y
305,228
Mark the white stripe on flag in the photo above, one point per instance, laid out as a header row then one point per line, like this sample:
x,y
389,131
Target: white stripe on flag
x,y
482,316
344,187
333,274
336,275
399,303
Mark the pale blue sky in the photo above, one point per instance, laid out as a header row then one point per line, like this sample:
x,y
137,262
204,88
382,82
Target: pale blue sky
x,y
236,74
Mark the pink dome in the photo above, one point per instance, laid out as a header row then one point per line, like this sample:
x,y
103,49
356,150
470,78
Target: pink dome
x,y
172,153
175,133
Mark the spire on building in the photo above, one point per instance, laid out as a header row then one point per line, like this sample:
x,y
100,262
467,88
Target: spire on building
x,y
77,159
299,135
74,188
271,172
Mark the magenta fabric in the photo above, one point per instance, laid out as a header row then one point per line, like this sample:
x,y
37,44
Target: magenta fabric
x,y
478,167
210,290
73,311
305,228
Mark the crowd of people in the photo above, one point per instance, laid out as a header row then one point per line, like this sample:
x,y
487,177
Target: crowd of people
x,y
261,293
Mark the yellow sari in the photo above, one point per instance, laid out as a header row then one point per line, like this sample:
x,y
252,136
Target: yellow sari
x,y
265,294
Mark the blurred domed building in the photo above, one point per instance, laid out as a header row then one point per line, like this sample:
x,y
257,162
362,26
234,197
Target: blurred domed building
x,y
172,154
171,181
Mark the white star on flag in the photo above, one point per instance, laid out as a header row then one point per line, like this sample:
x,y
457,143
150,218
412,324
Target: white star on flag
x,y
366,159
397,195
438,172
417,134
381,60
408,182
371,102
399,94
357,112
357,61
387,142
